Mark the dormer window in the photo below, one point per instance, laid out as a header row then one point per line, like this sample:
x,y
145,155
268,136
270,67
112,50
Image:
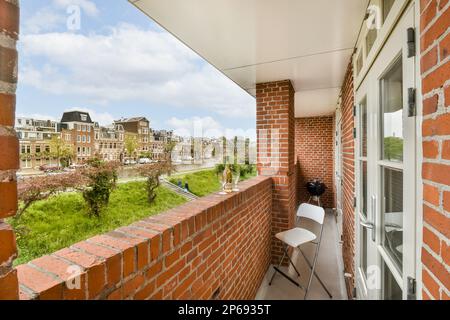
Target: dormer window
x,y
83,117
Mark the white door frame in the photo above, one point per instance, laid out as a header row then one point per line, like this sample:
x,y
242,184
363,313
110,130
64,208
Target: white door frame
x,y
394,47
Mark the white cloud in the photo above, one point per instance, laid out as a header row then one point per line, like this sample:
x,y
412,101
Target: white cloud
x,y
43,20
130,64
103,118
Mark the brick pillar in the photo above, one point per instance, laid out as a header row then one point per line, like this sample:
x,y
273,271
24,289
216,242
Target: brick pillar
x,y
435,69
275,124
9,145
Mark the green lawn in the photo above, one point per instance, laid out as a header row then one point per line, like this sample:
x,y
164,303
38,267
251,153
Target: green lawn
x,y
63,220
202,183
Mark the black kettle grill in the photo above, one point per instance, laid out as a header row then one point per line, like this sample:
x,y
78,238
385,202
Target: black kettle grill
x,y
315,188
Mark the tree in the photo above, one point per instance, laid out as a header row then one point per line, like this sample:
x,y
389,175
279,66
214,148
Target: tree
x,y
131,144
61,150
152,172
101,180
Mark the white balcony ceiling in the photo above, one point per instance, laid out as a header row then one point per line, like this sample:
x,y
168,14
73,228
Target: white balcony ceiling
x,y
309,42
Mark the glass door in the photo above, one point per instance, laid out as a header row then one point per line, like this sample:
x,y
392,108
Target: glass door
x,y
386,163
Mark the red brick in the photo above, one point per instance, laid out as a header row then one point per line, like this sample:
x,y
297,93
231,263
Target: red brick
x,y
130,287
7,109
94,266
430,239
446,150
8,65
8,243
9,153
436,268
9,286
113,259
445,253
436,78
430,149
145,292
9,19
444,47
429,59
436,219
446,201
436,172
430,105
431,194
435,31
47,287
430,284
447,96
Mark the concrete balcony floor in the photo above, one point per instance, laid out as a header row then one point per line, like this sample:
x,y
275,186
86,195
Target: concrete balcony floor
x,y
329,268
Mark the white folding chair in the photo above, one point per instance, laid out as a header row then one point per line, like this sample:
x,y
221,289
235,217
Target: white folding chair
x,y
298,236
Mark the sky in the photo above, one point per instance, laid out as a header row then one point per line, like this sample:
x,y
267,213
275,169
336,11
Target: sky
x,y
108,58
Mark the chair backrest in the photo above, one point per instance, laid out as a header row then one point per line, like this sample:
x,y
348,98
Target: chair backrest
x,y
312,212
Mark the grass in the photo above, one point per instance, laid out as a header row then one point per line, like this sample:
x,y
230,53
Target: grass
x,y
202,183
62,220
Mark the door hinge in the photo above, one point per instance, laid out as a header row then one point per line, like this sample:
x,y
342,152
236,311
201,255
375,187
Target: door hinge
x,y
412,105
411,289
354,202
354,111
354,133
411,42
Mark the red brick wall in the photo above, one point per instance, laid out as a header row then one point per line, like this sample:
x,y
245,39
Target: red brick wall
x,y
214,247
275,124
314,150
348,176
9,145
435,68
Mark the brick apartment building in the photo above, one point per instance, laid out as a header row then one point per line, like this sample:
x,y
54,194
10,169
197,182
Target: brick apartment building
x,y
362,103
140,127
35,137
78,129
109,142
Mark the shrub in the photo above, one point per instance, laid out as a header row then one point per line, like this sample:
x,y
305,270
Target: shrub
x,y
152,173
102,179
39,188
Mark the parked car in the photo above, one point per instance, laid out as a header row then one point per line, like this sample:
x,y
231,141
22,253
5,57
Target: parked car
x,y
49,168
145,161
130,162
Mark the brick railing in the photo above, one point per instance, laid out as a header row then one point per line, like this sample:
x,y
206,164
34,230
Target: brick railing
x,y
214,247
9,144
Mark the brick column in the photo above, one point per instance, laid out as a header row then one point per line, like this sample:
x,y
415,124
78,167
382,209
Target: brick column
x,y
435,69
9,145
275,122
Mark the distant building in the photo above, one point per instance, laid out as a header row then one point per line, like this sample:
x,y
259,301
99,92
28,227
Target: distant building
x,y
139,126
109,142
34,138
78,129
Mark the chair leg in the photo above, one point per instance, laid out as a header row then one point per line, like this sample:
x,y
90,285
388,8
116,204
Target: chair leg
x,y
317,276
313,270
279,265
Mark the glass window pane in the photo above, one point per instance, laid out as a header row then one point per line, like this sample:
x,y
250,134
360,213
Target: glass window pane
x,y
387,6
364,199
392,219
363,121
370,40
392,110
391,289
359,63
364,248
